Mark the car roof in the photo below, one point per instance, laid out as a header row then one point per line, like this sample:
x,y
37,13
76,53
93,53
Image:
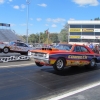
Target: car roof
x,y
17,42
71,44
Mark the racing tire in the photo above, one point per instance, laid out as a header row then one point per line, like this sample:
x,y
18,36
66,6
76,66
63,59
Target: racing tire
x,y
38,64
6,50
23,53
0,50
92,64
59,64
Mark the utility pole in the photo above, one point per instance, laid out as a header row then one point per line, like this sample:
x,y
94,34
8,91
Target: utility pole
x,y
39,38
47,32
27,2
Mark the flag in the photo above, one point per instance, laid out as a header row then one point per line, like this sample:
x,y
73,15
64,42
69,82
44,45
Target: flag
x,y
47,31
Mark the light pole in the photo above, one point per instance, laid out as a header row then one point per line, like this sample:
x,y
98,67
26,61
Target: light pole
x,y
27,2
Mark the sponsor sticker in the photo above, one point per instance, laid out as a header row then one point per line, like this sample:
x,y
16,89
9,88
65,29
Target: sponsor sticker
x,y
75,30
87,30
74,37
77,57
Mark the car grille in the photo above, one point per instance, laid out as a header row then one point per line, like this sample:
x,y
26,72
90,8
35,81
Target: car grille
x,y
39,54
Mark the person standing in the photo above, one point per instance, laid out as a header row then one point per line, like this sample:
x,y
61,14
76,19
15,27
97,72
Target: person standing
x,y
91,46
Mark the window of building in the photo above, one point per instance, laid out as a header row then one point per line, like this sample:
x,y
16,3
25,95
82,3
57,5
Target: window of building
x,y
75,26
97,26
87,26
97,33
97,40
75,40
88,40
87,33
75,33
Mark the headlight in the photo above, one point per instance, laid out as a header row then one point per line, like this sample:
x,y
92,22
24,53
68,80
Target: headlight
x,y
47,55
29,53
44,55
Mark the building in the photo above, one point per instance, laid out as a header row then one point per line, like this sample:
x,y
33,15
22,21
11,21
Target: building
x,y
84,31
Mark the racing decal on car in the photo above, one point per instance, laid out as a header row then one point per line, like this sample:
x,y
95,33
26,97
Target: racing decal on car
x,y
78,62
77,57
52,61
15,48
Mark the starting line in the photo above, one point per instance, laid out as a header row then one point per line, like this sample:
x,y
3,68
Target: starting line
x,y
14,58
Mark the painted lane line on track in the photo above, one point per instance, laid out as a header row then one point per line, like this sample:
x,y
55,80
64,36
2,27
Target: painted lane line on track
x,y
75,92
17,65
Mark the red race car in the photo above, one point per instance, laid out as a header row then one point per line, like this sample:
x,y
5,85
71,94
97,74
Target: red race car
x,y
64,55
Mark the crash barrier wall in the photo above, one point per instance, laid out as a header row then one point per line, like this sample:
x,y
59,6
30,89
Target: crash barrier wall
x,y
14,58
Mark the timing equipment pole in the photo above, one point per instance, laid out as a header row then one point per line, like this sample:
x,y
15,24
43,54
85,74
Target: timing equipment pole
x,y
28,2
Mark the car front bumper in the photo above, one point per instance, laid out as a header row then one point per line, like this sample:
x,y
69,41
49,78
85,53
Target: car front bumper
x,y
41,60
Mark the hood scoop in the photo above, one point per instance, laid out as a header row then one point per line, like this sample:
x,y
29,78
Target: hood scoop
x,y
46,48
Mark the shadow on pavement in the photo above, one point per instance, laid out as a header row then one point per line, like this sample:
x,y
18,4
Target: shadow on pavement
x,y
70,71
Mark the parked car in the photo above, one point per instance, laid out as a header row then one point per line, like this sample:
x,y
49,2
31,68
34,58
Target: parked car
x,y
18,47
66,55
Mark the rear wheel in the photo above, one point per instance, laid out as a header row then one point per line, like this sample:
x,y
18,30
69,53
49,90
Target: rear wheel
x,y
59,64
92,64
38,64
6,50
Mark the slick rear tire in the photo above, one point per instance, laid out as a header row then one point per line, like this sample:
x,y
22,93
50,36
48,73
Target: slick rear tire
x,y
59,64
92,64
6,50
38,64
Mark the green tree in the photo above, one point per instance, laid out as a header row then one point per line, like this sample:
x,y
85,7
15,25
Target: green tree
x,y
63,35
97,18
54,37
32,38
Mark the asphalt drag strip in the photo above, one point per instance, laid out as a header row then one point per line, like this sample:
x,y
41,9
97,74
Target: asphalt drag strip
x,y
29,82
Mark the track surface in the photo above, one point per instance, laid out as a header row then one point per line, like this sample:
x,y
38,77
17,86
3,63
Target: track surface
x,y
25,81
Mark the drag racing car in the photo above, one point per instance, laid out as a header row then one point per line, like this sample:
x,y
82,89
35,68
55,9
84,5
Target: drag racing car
x,y
18,47
65,55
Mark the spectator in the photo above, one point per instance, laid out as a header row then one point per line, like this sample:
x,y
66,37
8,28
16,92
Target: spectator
x,y
96,49
91,46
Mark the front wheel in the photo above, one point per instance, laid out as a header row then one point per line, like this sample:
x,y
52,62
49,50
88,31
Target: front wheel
x,y
6,50
59,64
38,64
23,53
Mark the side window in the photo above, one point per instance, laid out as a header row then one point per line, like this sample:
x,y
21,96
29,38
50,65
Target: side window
x,y
18,44
77,49
83,49
22,45
25,45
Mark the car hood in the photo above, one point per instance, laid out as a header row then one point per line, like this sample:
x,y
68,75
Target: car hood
x,y
49,50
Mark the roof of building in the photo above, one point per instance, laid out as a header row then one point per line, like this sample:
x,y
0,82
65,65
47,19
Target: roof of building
x,y
90,22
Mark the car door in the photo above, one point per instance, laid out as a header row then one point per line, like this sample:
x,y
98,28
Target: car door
x,y
13,46
22,47
79,57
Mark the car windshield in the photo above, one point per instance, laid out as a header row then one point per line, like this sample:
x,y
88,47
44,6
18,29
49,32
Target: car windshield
x,y
64,47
